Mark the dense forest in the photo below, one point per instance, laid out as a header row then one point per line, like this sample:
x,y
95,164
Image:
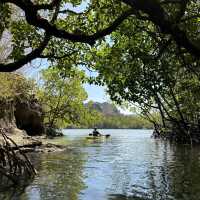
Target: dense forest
x,y
143,60
110,117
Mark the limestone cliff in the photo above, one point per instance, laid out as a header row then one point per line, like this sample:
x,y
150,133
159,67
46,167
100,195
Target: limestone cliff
x,y
26,115
7,118
19,109
29,116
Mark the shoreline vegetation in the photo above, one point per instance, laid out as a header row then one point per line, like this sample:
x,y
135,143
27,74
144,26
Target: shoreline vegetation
x,y
113,128
28,120
31,113
44,109
15,166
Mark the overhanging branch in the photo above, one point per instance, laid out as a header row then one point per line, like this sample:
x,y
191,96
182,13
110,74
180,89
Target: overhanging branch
x,y
34,19
26,58
159,17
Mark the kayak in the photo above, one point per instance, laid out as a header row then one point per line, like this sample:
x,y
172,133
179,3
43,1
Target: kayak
x,y
97,137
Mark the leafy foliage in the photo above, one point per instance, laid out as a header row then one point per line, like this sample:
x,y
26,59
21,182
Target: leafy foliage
x,y
52,29
13,85
63,96
166,83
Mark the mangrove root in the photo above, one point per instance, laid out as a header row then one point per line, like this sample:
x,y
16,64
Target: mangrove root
x,y
14,163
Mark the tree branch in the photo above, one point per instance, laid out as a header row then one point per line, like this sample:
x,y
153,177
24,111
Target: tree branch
x,y
26,58
34,19
160,18
152,8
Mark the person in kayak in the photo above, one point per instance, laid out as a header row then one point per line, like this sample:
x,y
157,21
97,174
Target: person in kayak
x,y
95,132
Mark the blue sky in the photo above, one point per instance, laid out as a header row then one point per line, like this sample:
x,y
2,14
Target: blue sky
x,y
96,93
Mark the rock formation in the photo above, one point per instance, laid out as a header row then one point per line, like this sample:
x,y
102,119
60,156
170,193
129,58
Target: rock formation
x,y
29,116
26,115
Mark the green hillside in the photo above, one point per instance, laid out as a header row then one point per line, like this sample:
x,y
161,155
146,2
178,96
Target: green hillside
x,y
110,117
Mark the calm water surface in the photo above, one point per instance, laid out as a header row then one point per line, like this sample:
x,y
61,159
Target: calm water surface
x,y
128,166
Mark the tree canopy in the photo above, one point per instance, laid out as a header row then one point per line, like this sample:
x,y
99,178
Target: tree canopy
x,y
13,86
164,81
55,29
62,97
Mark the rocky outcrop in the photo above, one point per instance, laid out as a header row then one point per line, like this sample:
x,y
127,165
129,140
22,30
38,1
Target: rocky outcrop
x,y
18,114
104,108
29,116
7,118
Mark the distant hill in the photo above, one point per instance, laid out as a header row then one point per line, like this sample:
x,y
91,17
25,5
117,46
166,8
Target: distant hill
x,y
104,108
108,116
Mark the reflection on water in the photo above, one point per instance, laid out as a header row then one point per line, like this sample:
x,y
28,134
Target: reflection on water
x,y
60,177
128,166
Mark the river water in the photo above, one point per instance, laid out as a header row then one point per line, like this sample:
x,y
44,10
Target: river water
x,y
128,166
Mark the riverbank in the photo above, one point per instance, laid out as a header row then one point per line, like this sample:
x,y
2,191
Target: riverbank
x,y
26,143
189,134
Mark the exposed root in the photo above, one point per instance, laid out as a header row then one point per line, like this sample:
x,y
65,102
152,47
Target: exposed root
x,y
14,163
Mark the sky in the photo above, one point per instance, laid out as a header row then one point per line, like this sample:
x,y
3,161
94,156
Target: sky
x,y
96,93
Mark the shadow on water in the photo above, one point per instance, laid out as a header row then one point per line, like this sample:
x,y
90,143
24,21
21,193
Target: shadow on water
x,y
9,191
59,177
